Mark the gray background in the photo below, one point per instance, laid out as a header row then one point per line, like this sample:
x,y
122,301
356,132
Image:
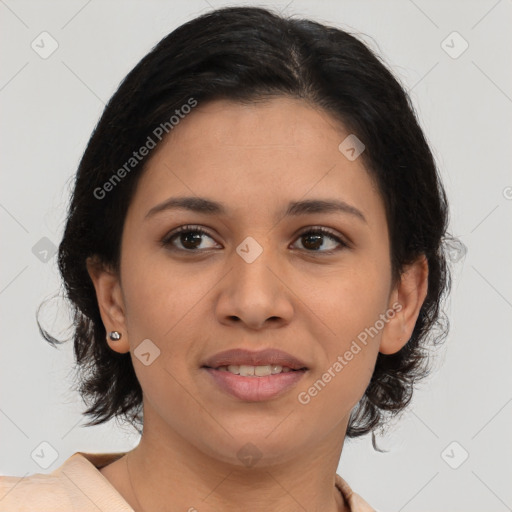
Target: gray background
x,y
49,108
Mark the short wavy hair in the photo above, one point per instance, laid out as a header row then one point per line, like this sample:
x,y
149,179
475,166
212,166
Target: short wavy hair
x,y
248,54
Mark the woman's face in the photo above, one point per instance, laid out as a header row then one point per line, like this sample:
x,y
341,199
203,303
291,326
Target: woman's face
x,y
256,279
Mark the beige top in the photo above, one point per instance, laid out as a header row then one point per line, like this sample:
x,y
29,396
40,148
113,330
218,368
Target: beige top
x,y
79,486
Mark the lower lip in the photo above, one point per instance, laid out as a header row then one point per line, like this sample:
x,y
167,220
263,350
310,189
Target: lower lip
x,y
255,389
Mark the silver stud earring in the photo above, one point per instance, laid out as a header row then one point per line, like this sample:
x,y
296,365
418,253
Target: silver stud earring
x,y
115,335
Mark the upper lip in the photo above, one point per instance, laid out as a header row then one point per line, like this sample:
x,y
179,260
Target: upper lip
x,y
265,357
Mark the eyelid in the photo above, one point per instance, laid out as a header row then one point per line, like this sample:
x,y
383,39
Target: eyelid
x,y
334,235
326,231
184,229
342,240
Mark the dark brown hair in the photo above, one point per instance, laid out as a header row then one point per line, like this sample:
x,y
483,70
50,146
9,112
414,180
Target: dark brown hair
x,y
247,54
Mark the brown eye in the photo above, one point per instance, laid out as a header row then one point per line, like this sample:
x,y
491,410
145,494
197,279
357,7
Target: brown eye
x,y
189,237
314,239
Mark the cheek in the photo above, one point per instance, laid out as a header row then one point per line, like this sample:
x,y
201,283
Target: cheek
x,y
350,353
160,305
158,296
351,304
352,299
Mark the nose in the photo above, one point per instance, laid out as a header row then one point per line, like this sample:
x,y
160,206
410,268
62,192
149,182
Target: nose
x,y
255,294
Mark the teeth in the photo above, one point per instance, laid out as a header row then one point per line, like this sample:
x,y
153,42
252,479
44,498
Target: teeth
x,y
254,371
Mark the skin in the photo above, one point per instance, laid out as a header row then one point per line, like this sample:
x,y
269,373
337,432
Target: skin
x,y
254,159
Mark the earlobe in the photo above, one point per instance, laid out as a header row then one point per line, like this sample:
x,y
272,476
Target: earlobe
x,y
409,294
110,303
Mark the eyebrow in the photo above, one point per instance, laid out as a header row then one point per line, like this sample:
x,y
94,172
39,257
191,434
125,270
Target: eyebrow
x,y
295,208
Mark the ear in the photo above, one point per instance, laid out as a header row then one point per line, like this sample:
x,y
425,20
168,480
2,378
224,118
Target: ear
x,y
406,300
110,302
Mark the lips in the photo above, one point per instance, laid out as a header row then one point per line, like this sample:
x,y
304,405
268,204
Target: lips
x,y
254,389
255,358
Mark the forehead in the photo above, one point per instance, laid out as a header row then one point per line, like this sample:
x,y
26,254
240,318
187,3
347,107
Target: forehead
x,y
281,123
257,155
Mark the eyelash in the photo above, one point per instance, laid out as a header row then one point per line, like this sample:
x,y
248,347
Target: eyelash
x,y
167,240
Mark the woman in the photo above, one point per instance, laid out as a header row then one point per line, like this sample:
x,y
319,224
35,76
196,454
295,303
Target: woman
x,y
254,254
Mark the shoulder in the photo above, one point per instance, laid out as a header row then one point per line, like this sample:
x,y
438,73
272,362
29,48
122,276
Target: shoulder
x,y
76,485
34,492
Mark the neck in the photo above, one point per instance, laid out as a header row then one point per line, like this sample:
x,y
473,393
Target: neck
x,y
175,475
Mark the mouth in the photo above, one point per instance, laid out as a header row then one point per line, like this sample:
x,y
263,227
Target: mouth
x,y
255,376
264,362
255,371
234,381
